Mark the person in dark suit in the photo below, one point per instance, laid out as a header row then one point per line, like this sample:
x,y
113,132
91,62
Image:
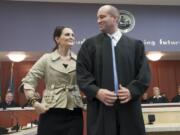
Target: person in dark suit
x,y
9,101
157,97
113,72
177,97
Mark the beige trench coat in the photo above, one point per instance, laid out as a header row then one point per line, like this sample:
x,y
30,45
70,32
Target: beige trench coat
x,y
61,88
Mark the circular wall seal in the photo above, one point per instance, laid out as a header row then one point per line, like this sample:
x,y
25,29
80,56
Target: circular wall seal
x,y
127,21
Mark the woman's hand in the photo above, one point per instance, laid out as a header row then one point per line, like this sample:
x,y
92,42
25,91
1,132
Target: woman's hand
x,y
40,108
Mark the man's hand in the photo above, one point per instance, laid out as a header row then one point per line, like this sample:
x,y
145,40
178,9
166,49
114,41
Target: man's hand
x,y
124,94
40,108
106,96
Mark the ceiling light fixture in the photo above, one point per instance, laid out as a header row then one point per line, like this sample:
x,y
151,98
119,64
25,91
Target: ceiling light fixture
x,y
16,56
154,55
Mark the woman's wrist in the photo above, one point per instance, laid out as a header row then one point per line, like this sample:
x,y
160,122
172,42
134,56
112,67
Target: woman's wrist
x,y
32,101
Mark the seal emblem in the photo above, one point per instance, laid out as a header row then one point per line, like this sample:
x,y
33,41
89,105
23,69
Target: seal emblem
x,y
127,21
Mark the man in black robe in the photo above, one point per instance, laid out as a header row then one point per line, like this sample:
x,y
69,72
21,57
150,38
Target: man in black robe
x,y
157,97
177,97
9,101
109,112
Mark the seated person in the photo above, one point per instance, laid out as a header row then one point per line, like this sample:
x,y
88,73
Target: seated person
x,y
163,94
145,99
177,97
157,98
9,101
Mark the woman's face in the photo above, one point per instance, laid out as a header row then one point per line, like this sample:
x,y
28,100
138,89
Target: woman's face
x,y
67,38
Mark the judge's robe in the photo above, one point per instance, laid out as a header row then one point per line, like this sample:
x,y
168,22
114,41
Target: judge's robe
x,y
176,99
95,71
161,99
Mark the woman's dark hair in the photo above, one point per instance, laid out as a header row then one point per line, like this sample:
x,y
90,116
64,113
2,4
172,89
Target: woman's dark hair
x,y
57,33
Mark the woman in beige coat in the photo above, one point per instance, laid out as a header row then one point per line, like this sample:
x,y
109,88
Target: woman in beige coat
x,y
61,106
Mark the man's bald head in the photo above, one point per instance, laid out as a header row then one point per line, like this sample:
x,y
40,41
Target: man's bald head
x,y
112,10
108,18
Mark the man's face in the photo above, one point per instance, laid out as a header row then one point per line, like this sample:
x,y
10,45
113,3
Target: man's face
x,y
156,91
179,90
9,98
145,96
106,21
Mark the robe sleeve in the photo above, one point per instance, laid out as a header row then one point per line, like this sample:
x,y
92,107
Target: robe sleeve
x,y
141,82
85,78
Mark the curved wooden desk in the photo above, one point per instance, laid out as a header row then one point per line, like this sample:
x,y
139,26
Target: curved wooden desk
x,y
11,116
167,118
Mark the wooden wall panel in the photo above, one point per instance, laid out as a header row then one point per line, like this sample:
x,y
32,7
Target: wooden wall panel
x,y
167,78
165,75
154,76
20,70
177,73
5,72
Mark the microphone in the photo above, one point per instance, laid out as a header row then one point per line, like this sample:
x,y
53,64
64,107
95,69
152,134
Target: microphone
x,y
151,118
25,105
4,107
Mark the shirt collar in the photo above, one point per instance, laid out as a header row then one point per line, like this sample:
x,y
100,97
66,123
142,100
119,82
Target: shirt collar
x,y
56,55
159,96
116,35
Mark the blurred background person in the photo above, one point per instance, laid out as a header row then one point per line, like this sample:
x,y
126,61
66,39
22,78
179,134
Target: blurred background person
x,y
145,99
9,101
163,94
177,97
157,97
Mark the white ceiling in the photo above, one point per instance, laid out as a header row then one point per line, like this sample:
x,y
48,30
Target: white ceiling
x,y
134,2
